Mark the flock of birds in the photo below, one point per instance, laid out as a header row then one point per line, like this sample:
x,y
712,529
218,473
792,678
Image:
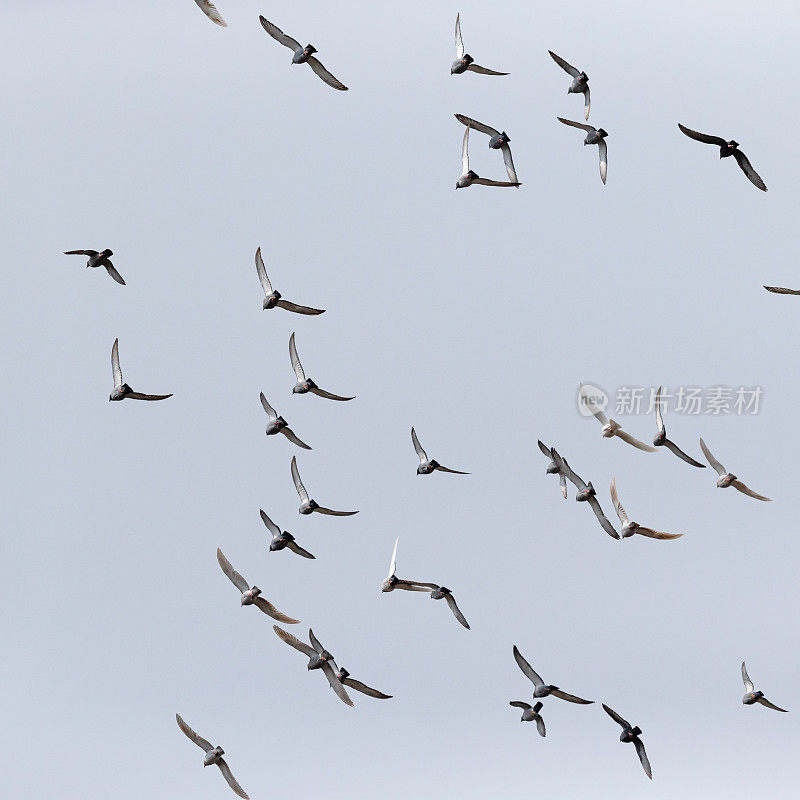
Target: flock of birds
x,y
319,658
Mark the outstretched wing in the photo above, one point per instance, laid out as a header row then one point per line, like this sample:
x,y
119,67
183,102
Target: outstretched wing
x,y
484,70
581,125
602,150
479,126
745,489
298,484
765,702
621,513
315,643
520,704
271,526
490,182
748,684
702,137
632,440
336,684
299,309
451,601
195,737
393,562
744,162
587,101
232,782
364,689
659,419
235,578
566,66
673,448
140,396
296,365
459,40
271,413
112,271
781,290
509,162
290,435
295,548
720,470
331,513
465,152
329,395
423,456
639,745
571,698
527,669
211,12
293,641
266,285
440,468
264,605
596,412
278,35
540,726
326,76
616,717
115,367
649,532
89,253
602,518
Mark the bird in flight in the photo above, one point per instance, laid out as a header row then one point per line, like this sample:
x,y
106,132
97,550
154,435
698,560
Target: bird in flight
x,y
542,689
213,755
101,259
465,62
586,494
307,505
661,437
553,467
593,136
468,176
531,714
727,149
580,81
726,478
278,424
318,658
273,298
302,55
251,595
121,389
304,384
752,696
631,734
629,527
282,539
429,465
497,141
612,428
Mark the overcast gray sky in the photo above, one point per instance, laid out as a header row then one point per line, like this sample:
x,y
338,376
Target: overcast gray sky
x,y
472,315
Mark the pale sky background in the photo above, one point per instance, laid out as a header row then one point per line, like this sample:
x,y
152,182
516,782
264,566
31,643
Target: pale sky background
x,y
472,315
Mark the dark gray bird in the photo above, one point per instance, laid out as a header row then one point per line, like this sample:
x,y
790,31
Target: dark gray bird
x,y
727,149
593,136
211,12
251,595
213,755
629,527
497,141
631,734
122,390
468,176
586,494
781,290
344,676
661,437
752,696
726,478
429,465
553,468
392,582
611,427
542,689
318,658
278,424
531,714
304,384
282,539
307,505
302,55
580,81
465,62
96,259
273,298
